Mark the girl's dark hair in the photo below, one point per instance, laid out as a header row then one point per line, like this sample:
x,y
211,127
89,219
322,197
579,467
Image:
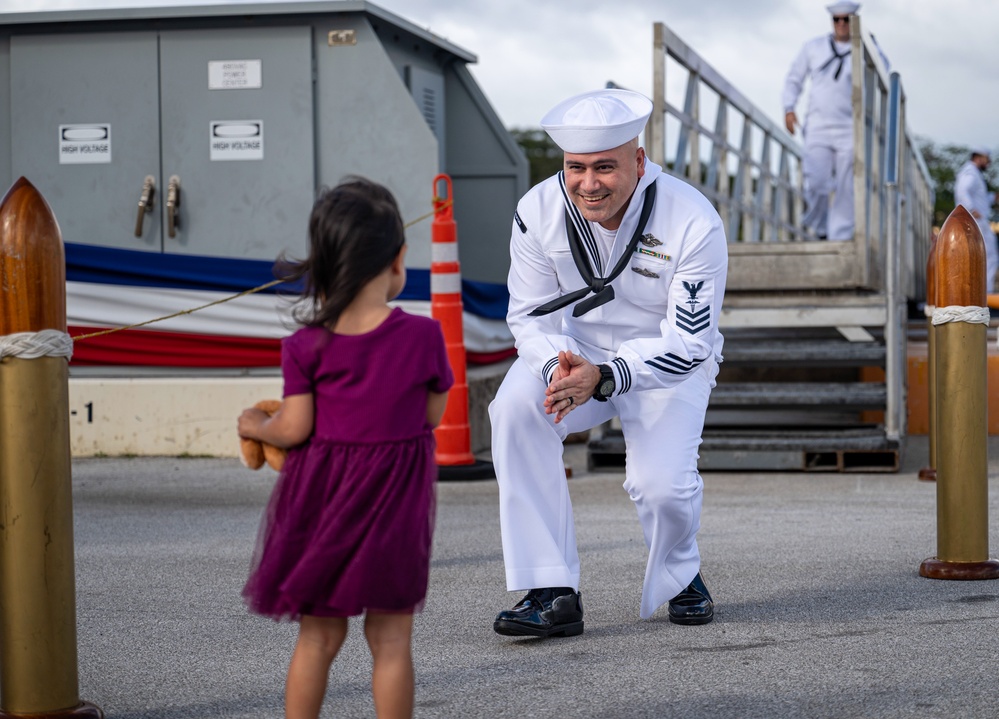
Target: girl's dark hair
x,y
355,232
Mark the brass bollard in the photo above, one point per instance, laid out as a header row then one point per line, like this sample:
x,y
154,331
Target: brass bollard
x,y
929,473
961,405
38,660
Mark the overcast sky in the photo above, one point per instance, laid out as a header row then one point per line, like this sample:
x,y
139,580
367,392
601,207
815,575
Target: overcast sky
x,y
532,53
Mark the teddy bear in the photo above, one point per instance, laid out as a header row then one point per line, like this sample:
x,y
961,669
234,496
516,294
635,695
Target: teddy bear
x,y
253,453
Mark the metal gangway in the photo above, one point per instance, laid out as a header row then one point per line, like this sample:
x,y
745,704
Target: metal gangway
x,y
814,376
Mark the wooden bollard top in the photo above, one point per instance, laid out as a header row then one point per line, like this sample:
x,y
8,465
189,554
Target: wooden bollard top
x,y
960,262
32,263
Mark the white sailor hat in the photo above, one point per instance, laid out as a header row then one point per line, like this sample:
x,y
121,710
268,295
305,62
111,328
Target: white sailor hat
x,y
981,150
843,8
598,120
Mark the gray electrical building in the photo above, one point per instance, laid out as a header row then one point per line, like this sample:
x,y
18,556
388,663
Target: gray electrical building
x,y
206,130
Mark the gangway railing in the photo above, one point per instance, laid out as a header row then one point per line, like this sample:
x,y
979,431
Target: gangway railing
x,y
757,201
913,217
750,168
909,200
885,155
799,309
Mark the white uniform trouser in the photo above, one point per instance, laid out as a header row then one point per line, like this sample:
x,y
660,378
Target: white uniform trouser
x,y
662,430
991,255
827,166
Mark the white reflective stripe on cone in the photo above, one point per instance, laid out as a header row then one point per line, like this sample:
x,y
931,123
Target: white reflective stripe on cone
x,y
445,283
443,251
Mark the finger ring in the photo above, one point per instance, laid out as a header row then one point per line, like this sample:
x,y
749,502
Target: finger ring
x,y
570,400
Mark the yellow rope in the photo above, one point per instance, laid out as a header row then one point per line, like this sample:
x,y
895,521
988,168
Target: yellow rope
x,y
244,293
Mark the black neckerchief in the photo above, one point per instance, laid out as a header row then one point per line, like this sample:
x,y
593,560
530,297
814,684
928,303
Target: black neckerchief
x,y
600,286
836,56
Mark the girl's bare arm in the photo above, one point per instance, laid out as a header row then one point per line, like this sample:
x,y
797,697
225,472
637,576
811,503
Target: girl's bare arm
x,y
288,427
436,403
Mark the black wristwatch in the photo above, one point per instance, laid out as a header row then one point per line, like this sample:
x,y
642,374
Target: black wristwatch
x,y
605,387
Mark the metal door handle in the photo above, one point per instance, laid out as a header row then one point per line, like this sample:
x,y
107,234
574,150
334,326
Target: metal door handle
x,y
145,202
172,203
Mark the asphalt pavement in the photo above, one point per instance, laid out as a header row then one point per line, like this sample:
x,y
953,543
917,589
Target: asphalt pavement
x,y
820,611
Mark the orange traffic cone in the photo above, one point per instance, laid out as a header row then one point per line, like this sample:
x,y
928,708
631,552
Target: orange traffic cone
x,y
454,456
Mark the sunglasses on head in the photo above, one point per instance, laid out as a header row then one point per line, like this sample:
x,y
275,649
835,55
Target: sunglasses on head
x,y
845,18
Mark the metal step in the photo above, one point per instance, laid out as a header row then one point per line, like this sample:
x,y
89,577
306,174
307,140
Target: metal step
x,y
771,395
805,352
788,398
760,419
798,308
857,449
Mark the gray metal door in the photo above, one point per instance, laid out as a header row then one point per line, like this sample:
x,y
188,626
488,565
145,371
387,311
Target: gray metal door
x,y
229,111
237,132
85,127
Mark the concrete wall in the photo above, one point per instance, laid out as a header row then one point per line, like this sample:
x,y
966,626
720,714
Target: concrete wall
x,y
174,416
161,416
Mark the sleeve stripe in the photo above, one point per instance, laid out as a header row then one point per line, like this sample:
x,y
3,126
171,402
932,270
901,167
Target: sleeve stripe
x,y
624,374
673,364
549,369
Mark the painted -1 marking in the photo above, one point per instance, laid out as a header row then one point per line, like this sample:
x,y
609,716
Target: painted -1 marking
x,y
90,412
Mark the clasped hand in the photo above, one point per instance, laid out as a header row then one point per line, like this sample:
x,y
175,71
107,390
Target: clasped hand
x,y
573,383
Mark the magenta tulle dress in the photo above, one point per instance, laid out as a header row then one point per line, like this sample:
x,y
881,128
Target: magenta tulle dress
x,y
350,522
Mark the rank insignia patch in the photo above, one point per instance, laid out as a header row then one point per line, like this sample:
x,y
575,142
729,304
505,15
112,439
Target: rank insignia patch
x,y
692,290
693,320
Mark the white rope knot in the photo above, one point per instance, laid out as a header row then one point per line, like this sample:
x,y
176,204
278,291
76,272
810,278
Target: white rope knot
x,y
32,345
928,310
957,313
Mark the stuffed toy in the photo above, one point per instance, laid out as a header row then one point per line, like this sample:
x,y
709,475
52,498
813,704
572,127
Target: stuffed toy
x,y
253,453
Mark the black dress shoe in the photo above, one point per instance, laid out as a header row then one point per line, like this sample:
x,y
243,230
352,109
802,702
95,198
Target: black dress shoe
x,y
693,605
550,612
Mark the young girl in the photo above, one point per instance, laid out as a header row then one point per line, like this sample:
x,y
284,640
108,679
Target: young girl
x,y
348,527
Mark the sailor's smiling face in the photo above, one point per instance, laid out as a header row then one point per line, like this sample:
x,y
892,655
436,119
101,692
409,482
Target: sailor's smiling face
x,y
601,183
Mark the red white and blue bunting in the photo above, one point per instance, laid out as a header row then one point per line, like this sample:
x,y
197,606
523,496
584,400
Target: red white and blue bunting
x,y
109,287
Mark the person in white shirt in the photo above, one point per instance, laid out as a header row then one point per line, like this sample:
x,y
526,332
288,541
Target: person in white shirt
x,y
616,281
971,191
827,162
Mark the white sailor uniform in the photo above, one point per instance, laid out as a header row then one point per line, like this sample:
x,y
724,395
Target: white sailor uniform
x,y
660,337
971,191
827,164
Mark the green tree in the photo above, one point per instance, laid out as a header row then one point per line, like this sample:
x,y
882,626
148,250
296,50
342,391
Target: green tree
x,y
943,161
543,155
